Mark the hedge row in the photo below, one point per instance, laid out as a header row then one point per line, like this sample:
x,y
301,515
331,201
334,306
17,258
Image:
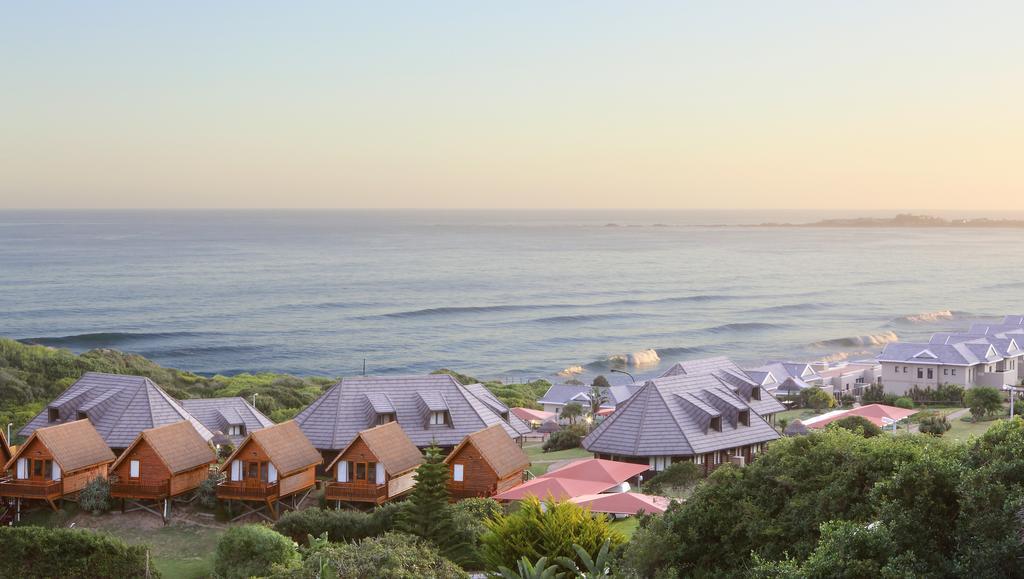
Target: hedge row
x,y
41,552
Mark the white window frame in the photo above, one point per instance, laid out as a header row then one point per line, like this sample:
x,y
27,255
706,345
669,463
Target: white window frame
x,y
134,469
22,471
438,418
342,471
458,473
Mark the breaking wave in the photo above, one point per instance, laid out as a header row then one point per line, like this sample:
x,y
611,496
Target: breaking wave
x,y
859,341
929,317
571,371
790,308
641,359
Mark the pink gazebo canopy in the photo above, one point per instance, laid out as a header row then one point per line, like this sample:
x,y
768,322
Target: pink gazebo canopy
x,y
622,503
530,415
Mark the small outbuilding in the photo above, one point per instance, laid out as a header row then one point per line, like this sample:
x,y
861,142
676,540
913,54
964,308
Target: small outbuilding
x,y
56,462
485,463
379,465
162,463
270,465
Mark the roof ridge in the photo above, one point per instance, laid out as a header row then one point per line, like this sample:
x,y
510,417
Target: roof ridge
x,y
335,391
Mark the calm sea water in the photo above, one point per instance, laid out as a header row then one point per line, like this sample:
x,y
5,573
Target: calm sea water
x,y
496,294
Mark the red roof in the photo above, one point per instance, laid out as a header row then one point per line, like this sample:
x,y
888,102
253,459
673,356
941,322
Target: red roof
x,y
584,477
622,503
611,471
529,414
605,411
873,412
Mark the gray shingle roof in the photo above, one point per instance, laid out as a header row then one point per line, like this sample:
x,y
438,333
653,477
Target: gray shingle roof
x,y
118,406
966,353
217,414
671,415
565,393
334,419
500,408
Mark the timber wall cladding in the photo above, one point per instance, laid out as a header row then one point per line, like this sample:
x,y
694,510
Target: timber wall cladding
x,y
151,467
478,478
298,482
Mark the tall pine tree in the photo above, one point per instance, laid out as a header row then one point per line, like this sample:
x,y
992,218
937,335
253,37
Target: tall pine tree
x,y
427,513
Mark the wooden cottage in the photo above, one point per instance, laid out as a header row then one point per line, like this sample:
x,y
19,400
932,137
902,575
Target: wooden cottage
x,y
377,466
485,463
161,463
56,462
271,464
5,454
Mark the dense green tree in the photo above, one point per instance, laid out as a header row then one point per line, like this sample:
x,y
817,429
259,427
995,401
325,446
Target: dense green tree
x,y
858,424
601,382
935,425
816,398
983,401
251,551
428,513
572,411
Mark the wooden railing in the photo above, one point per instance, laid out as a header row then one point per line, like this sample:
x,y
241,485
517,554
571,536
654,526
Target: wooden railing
x,y
140,489
338,491
247,491
30,489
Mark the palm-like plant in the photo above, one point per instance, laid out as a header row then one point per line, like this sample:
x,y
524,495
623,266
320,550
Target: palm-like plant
x,y
598,397
526,570
599,566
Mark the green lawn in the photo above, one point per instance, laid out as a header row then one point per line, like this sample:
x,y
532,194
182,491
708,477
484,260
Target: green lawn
x,y
178,550
541,460
963,429
626,526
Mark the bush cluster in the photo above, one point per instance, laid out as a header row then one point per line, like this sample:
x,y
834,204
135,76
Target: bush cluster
x,y
42,552
339,525
562,440
390,556
252,551
95,496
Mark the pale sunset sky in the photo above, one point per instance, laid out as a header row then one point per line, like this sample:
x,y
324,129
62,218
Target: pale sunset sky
x,y
575,104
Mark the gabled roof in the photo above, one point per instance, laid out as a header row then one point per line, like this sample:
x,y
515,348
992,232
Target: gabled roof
x,y
334,419
879,414
966,353
177,445
777,372
218,414
529,414
286,446
118,406
500,408
498,450
582,477
5,450
671,415
391,446
74,446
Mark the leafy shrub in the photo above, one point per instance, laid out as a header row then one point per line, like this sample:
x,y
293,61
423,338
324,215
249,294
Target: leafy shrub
x,y
391,556
225,450
983,401
873,394
677,476
816,398
469,517
550,531
847,400
251,550
936,425
206,493
903,402
95,496
942,394
42,552
858,424
562,440
340,525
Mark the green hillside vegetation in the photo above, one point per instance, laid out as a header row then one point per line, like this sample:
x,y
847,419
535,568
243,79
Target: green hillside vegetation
x,y
31,376
512,395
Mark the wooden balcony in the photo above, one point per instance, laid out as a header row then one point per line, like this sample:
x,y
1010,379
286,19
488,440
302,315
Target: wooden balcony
x,y
246,491
140,490
24,489
356,493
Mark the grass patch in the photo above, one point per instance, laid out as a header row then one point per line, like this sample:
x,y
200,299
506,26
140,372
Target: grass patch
x,y
965,428
626,526
541,460
178,550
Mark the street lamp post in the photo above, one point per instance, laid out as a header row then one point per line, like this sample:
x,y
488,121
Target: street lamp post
x,y
255,394
617,371
1013,392
9,425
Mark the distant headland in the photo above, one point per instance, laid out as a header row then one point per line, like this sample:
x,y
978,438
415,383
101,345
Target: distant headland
x,y
905,220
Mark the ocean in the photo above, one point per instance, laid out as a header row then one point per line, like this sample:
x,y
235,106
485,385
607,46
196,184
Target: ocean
x,y
511,295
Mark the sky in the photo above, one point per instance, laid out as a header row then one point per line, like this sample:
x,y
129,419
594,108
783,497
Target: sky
x,y
572,104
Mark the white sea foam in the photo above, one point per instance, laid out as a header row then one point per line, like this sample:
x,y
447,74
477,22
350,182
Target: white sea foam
x,y
859,341
928,317
571,371
641,359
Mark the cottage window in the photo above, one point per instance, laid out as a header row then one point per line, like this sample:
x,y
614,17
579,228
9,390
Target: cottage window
x,y
744,417
659,463
439,418
385,418
53,415
698,459
904,369
716,423
133,469
37,468
920,373
945,371
755,393
930,376
343,471
22,473
952,371
360,471
236,430
458,473
371,473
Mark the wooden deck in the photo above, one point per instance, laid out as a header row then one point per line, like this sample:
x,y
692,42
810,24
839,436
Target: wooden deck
x,y
354,493
247,492
31,490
